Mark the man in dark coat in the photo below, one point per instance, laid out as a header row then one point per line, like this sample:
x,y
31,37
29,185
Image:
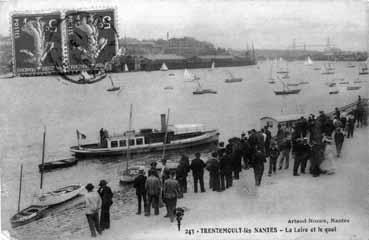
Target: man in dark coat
x,y
315,159
285,148
181,176
350,126
246,152
212,165
258,165
171,193
186,169
267,140
106,201
273,156
338,139
306,156
139,184
153,190
236,160
298,151
225,169
197,166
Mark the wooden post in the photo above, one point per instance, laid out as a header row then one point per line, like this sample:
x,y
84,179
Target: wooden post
x,y
165,136
43,158
20,186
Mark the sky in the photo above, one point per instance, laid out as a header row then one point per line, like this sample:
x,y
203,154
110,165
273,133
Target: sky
x,y
269,24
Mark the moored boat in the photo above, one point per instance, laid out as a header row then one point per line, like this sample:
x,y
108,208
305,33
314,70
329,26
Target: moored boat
x,y
334,92
232,78
62,163
28,215
353,87
149,140
204,91
287,92
163,67
58,196
85,78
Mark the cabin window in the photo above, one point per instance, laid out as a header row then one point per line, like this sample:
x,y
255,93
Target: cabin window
x,y
131,142
139,141
122,143
114,144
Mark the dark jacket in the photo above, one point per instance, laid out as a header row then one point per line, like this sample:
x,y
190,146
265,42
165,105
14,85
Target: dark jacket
x,y
181,171
339,137
274,153
259,158
225,164
139,184
299,148
186,163
106,196
197,166
153,185
212,165
171,189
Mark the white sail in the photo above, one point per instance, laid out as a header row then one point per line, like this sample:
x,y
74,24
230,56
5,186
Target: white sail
x,y
213,65
188,76
164,67
308,61
126,68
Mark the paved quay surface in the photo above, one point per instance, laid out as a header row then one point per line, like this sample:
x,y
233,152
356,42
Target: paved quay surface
x,y
280,198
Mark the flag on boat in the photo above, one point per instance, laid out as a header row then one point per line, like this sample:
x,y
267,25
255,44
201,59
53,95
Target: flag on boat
x,y
80,135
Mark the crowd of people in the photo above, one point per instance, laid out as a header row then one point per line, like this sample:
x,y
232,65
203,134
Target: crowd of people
x,y
309,142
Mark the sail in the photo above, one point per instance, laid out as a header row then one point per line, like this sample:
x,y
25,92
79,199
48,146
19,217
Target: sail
x,y
164,67
308,61
126,68
188,76
213,65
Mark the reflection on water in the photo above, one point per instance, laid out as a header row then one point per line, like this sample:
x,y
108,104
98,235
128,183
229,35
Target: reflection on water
x,y
29,103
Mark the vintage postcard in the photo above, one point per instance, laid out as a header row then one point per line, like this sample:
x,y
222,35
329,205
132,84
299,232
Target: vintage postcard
x,y
184,119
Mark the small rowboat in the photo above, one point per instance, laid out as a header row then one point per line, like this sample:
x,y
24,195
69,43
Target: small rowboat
x,y
204,91
334,92
232,80
62,163
59,195
28,215
113,89
353,87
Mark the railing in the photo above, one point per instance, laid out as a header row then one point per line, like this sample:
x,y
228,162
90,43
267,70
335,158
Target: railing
x,y
350,106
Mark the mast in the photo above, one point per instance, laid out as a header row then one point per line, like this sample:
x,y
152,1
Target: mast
x,y
129,134
165,135
20,186
111,80
43,158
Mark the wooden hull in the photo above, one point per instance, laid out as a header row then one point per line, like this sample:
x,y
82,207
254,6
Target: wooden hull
x,y
113,89
295,91
59,195
63,163
204,91
92,150
233,80
95,80
28,215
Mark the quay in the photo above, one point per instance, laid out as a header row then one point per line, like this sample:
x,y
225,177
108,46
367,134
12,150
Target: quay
x,y
342,197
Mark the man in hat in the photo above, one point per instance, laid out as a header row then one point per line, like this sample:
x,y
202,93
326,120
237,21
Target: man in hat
x,y
139,184
212,165
273,156
306,155
186,169
153,190
338,140
153,170
107,200
299,153
171,193
225,169
197,166
93,204
285,148
258,165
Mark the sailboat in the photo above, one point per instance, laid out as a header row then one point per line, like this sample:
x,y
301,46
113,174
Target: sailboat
x,y
113,88
200,90
333,90
286,90
350,65
59,195
271,79
328,69
28,214
212,66
163,67
128,175
126,68
308,61
232,79
363,69
281,70
189,77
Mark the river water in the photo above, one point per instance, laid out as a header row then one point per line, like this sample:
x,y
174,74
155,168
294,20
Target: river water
x,y
29,104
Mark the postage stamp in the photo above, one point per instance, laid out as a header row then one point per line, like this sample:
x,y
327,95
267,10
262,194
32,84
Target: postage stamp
x,y
91,38
37,43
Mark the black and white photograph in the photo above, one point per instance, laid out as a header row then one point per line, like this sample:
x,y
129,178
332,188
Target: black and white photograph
x,y
184,119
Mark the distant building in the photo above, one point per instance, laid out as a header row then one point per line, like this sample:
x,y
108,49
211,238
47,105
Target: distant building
x,y
189,47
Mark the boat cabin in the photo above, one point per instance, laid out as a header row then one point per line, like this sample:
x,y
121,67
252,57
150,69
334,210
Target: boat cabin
x,y
283,120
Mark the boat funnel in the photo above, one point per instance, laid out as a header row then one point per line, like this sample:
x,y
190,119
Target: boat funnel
x,y
163,122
